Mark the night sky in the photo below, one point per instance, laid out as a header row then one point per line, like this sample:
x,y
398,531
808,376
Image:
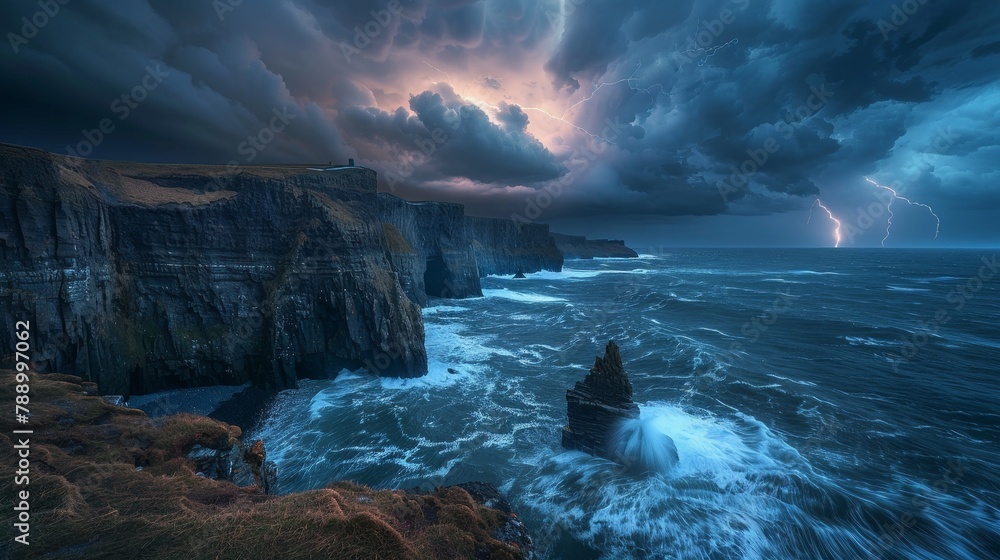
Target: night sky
x,y
663,122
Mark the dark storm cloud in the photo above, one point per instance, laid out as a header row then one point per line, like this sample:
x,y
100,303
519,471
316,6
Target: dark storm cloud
x,y
459,140
673,96
709,94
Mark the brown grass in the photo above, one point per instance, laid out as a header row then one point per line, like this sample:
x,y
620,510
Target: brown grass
x,y
395,240
88,500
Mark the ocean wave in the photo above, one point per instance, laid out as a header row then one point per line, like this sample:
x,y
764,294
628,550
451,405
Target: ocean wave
x,y
524,297
720,491
906,289
868,341
434,310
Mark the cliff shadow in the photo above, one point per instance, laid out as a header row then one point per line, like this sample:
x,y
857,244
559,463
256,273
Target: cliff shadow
x,y
436,277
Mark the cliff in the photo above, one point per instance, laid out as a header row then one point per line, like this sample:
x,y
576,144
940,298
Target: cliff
x,y
108,482
146,277
504,246
579,247
430,248
440,252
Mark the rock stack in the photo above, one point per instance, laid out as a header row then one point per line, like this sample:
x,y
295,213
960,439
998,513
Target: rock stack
x,y
603,420
597,405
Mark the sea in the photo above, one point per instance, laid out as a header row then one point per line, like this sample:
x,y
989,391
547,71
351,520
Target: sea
x,y
824,403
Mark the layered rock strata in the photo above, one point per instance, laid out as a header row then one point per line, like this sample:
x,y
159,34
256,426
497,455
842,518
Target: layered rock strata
x,y
597,405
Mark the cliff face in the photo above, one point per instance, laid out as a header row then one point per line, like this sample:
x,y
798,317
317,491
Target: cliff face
x,y
430,248
504,247
146,277
438,251
579,247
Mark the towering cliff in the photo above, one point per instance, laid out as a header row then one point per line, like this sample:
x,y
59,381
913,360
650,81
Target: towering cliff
x,y
504,246
440,252
430,248
579,247
145,277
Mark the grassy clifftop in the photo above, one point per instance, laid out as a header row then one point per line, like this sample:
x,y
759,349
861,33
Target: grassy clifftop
x,y
89,500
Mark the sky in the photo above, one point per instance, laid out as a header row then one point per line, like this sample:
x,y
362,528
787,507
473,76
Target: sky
x,y
661,122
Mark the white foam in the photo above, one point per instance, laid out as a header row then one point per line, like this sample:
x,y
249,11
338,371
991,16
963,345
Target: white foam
x,y
906,289
571,274
718,492
525,297
868,341
443,309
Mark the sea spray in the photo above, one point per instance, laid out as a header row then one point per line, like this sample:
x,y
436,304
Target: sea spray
x,y
641,446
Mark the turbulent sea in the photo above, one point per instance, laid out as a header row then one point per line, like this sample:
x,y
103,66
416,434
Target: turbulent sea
x,y
824,403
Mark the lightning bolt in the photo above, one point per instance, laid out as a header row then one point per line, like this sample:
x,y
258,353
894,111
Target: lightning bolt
x,y
836,231
601,85
446,75
896,195
710,52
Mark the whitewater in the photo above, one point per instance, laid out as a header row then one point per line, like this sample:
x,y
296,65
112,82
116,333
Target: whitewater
x,y
818,408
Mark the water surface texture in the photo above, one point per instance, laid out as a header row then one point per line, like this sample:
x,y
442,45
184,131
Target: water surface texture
x,y
824,404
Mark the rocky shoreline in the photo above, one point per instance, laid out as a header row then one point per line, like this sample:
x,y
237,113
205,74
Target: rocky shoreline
x,y
109,482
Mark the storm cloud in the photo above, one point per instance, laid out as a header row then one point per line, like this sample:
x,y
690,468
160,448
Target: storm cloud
x,y
596,107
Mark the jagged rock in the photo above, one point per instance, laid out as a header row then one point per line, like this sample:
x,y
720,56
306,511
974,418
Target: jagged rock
x,y
604,421
579,247
520,275
242,464
598,404
147,277
430,248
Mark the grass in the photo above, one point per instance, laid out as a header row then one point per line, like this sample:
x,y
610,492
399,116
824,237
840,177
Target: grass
x,y
89,501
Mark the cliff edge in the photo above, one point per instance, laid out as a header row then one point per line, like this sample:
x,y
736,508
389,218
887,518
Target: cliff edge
x,y
143,277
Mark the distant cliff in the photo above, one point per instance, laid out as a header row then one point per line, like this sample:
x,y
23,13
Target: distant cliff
x,y
441,252
145,277
579,247
504,247
430,248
